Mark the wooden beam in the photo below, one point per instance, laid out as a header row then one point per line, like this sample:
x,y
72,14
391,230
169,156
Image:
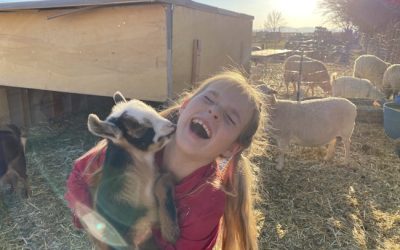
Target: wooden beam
x,y
196,61
4,109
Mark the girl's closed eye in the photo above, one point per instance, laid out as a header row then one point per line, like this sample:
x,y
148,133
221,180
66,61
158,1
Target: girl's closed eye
x,y
229,119
208,99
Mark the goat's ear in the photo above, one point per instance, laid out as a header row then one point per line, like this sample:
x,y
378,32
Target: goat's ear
x,y
103,128
118,97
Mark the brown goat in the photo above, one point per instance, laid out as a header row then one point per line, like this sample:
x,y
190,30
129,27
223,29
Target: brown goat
x,y
12,159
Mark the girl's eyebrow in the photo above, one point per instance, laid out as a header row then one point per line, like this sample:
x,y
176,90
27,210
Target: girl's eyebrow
x,y
214,93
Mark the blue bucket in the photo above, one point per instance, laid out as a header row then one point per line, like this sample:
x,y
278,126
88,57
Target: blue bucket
x,y
391,119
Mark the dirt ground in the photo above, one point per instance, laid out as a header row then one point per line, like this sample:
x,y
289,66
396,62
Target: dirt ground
x,y
310,204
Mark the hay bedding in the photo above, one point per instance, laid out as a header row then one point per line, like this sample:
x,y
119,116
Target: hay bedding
x,y
311,204
314,204
44,221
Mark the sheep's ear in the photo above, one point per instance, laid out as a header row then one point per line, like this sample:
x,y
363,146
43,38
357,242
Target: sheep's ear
x,y
103,128
118,97
273,99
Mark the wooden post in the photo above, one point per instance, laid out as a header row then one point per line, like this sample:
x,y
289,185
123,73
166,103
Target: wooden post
x,y
4,109
196,61
57,104
68,103
15,105
26,108
300,72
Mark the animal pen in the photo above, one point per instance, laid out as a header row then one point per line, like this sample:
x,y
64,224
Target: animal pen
x,y
54,53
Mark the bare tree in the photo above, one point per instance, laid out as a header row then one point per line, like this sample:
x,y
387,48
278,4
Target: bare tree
x,y
274,21
337,13
368,16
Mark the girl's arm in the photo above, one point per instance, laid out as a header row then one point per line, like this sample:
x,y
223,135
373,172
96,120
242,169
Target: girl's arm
x,y
78,194
199,220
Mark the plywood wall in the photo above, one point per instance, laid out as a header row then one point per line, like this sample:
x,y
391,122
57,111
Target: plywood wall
x,y
224,40
96,52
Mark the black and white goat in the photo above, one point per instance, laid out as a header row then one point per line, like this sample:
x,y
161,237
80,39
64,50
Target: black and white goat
x,y
12,159
132,195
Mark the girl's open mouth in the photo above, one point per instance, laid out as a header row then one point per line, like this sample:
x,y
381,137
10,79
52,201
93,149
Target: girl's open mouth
x,y
200,129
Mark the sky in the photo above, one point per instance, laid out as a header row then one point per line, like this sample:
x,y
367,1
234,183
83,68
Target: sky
x,y
297,13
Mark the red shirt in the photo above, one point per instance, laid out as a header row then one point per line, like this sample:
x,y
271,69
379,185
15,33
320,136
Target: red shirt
x,y
199,204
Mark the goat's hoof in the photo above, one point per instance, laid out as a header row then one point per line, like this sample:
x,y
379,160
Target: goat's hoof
x,y
170,234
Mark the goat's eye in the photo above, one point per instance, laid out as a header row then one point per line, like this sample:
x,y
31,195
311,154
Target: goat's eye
x,y
137,132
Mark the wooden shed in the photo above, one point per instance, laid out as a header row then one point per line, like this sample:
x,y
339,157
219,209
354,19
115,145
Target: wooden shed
x,y
150,50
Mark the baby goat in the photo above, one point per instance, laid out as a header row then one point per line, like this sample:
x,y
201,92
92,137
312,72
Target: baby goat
x,y
132,195
12,159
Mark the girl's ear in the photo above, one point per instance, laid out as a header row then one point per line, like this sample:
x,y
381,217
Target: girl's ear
x,y
234,149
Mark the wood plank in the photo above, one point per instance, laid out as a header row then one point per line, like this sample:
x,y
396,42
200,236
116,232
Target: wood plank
x,y
221,39
94,52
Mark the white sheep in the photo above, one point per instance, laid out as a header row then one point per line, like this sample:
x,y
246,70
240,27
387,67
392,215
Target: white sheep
x,y
391,80
311,123
313,73
370,67
352,87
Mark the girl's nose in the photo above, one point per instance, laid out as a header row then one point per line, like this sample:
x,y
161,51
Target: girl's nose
x,y
213,113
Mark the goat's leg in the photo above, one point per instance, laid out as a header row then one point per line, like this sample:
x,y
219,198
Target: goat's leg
x,y
17,173
164,192
27,192
11,178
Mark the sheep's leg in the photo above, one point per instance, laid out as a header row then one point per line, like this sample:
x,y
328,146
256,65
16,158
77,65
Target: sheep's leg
x,y
346,143
287,87
164,192
294,88
283,147
307,90
331,150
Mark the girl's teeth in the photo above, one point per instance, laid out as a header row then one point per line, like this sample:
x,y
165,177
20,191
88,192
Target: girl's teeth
x,y
204,126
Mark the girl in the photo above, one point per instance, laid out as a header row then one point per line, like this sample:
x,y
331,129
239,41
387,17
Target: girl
x,y
221,119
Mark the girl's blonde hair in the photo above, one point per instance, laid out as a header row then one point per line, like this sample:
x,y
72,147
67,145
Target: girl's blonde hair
x,y
239,223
